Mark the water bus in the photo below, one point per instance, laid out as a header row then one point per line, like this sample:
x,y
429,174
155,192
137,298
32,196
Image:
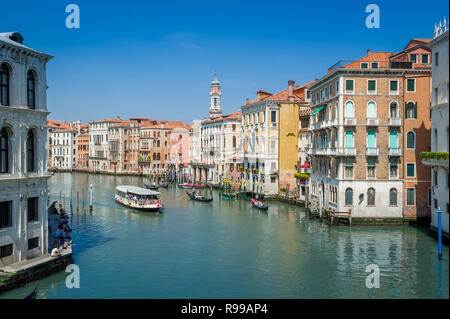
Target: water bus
x,y
138,198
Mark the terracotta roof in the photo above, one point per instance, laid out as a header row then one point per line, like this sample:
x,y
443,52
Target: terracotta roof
x,y
283,95
233,116
112,120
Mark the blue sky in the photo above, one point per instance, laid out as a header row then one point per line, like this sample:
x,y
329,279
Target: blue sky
x,y
157,58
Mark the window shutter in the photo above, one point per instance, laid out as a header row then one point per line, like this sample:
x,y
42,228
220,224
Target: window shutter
x,y
406,110
415,110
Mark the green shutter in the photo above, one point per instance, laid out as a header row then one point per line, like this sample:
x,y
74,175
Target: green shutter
x,y
406,110
349,85
371,85
410,170
415,110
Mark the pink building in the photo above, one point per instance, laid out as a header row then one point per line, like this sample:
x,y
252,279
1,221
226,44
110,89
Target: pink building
x,y
179,151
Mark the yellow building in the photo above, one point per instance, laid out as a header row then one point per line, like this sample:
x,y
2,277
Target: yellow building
x,y
270,139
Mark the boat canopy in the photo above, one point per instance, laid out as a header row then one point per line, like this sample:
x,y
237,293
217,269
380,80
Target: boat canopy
x,y
136,190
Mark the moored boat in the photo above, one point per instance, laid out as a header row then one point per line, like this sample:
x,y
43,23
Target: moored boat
x,y
138,198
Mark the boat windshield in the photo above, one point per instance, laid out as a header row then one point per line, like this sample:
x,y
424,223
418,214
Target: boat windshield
x,y
137,198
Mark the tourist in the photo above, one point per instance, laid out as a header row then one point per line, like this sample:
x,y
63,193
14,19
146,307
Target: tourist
x,y
55,252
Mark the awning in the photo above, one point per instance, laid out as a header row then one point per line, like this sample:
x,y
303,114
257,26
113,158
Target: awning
x,y
318,110
306,165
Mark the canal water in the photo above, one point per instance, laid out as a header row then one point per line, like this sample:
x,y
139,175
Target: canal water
x,y
226,249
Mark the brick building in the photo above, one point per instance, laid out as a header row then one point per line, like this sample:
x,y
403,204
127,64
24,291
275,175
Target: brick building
x,y
362,113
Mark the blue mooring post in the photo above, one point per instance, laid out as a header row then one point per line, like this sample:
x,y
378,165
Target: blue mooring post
x,y
439,231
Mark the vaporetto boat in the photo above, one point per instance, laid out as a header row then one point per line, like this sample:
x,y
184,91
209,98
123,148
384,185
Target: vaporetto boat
x,y
138,198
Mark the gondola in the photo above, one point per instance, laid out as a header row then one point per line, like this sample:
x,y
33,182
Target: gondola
x,y
163,184
202,199
189,185
32,295
152,187
263,207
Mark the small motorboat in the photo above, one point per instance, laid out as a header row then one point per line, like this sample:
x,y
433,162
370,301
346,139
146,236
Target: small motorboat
x,y
32,295
152,186
163,184
261,207
189,185
199,198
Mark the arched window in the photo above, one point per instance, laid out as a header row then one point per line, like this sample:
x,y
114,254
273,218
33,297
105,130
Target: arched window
x,y
411,110
30,151
158,157
371,110
410,140
349,196
371,196
393,110
349,139
4,85
393,197
31,90
4,139
154,156
349,110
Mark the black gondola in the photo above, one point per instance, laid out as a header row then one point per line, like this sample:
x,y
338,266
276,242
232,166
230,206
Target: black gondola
x,y
202,199
152,187
32,295
163,184
263,207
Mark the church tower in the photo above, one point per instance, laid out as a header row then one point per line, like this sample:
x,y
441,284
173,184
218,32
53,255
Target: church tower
x,y
214,109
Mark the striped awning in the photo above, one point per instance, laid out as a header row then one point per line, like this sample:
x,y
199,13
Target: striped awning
x,y
318,110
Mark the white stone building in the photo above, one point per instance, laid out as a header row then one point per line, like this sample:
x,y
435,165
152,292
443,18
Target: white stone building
x,y
218,139
64,148
99,145
440,138
23,152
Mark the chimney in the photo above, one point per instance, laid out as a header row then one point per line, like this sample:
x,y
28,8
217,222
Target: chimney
x,y
369,52
291,91
247,101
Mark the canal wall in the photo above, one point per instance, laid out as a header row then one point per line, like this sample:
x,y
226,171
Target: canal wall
x,y
33,269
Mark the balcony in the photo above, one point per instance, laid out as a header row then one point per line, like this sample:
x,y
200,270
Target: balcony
x,y
372,121
333,122
372,151
395,121
350,121
346,151
395,151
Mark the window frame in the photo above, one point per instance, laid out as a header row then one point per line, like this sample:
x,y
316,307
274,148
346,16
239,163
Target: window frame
x,y
406,173
406,201
352,195
32,90
353,86
396,91
367,87
414,136
396,197
6,85
407,88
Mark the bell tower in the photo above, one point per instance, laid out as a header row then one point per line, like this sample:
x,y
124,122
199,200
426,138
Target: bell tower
x,y
214,109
